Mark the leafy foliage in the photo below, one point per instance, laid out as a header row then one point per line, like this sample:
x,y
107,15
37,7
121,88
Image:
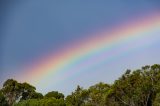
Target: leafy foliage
x,y
3,101
134,88
42,102
36,95
14,91
54,94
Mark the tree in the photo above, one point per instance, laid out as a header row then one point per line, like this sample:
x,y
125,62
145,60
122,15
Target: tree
x,y
42,102
11,90
27,91
97,94
134,88
54,94
138,88
94,96
36,95
77,98
157,100
3,101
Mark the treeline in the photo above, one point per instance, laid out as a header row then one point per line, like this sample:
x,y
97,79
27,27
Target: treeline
x,y
134,88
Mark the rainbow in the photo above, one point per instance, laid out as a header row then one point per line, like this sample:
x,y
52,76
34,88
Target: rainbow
x,y
78,56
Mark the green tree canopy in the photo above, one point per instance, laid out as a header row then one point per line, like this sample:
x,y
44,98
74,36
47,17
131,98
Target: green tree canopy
x,y
13,91
3,101
42,102
54,94
134,88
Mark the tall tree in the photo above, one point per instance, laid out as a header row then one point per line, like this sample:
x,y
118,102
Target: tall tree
x,y
11,90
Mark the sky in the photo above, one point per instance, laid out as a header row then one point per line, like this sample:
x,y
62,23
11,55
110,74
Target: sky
x,y
37,35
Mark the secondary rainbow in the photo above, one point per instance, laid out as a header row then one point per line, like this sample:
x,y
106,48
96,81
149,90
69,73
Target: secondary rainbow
x,y
80,54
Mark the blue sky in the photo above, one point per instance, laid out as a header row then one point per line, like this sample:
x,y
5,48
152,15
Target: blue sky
x,y
31,29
